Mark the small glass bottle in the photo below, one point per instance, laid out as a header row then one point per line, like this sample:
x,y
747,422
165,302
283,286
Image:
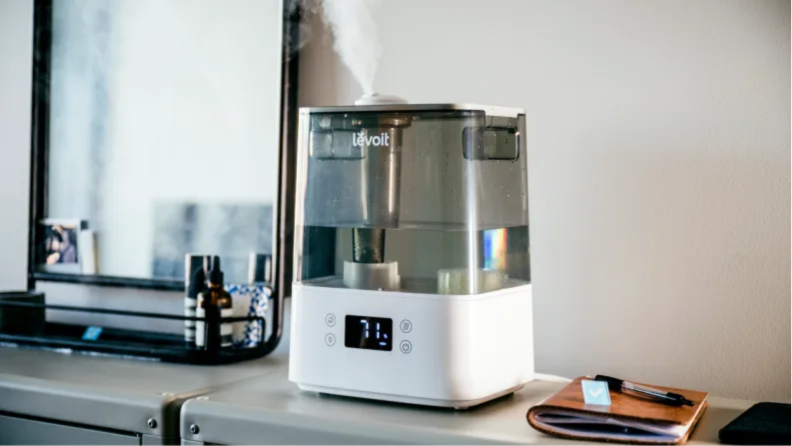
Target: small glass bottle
x,y
195,267
213,304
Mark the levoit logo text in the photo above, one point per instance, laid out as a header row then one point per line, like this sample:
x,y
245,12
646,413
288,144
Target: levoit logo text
x,y
360,139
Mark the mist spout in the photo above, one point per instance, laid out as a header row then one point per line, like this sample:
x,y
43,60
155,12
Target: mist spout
x,y
379,99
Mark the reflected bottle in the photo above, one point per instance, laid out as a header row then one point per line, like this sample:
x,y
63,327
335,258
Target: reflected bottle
x,y
213,304
195,267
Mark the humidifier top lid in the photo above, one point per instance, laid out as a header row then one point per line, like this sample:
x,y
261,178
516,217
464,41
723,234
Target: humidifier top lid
x,y
490,110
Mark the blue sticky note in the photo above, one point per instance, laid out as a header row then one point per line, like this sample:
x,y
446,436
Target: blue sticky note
x,y
92,333
596,392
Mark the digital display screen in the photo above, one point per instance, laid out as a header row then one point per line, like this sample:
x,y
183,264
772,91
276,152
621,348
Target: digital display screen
x,y
371,333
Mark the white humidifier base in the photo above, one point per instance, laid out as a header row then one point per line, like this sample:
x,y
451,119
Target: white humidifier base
x,y
438,350
455,404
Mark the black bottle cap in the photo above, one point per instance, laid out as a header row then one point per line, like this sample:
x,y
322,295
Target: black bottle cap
x,y
197,284
259,268
194,282
216,274
192,263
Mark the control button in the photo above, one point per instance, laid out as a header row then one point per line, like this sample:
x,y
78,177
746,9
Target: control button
x,y
330,319
405,346
330,339
405,326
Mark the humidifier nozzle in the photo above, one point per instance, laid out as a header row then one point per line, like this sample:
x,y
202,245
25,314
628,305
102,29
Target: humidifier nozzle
x,y
379,99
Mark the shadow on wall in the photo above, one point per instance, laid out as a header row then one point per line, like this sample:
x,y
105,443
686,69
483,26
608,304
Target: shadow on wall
x,y
678,256
324,80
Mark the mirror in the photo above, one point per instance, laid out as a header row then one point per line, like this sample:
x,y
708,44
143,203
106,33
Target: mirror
x,y
159,134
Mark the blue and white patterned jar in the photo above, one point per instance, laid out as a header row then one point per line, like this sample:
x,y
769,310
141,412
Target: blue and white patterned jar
x,y
252,301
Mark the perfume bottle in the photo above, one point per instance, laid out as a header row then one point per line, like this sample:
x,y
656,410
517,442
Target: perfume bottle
x,y
214,303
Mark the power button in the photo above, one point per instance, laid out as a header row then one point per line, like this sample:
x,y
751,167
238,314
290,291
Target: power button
x,y
405,347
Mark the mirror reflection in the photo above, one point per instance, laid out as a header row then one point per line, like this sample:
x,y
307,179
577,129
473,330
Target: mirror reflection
x,y
164,125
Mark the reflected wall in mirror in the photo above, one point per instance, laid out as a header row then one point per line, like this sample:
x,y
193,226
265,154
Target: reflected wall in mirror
x,y
164,131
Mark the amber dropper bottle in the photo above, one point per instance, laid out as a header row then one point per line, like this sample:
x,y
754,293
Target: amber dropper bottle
x,y
214,303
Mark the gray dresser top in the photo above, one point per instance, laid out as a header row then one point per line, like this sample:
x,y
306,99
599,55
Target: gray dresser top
x,y
111,393
272,410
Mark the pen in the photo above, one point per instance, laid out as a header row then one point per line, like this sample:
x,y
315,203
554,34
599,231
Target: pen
x,y
621,385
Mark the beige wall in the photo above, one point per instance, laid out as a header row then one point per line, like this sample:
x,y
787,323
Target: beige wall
x,y
16,24
659,146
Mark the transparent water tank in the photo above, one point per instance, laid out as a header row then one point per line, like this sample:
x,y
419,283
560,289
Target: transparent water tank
x,y
428,199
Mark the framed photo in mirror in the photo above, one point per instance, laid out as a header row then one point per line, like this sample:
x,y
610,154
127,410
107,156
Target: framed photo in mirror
x,y
67,247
